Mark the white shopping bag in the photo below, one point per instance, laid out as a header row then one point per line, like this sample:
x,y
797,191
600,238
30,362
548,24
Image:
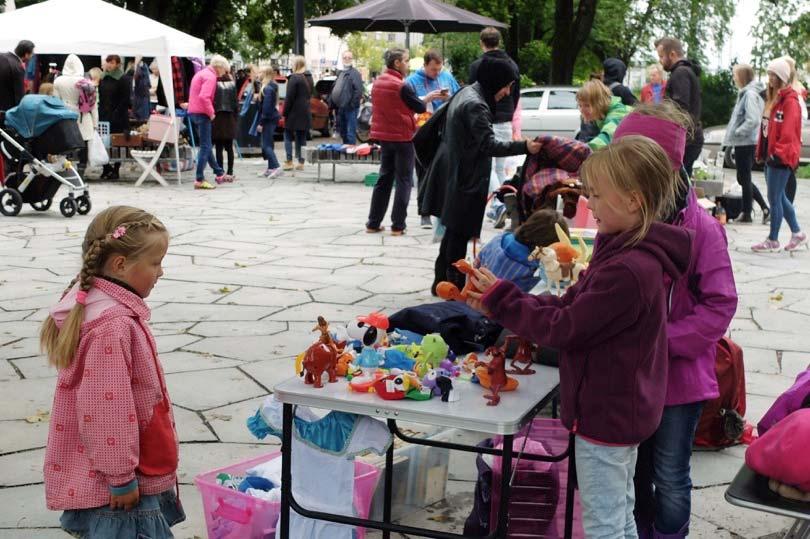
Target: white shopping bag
x,y
96,152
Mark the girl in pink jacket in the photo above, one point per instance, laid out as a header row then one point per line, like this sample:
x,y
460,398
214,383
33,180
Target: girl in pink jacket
x,y
111,458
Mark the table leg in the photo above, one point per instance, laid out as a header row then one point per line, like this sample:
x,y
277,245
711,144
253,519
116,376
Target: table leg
x,y
319,172
286,471
333,172
506,476
569,489
389,480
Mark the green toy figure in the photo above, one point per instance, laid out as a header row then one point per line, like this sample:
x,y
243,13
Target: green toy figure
x,y
434,350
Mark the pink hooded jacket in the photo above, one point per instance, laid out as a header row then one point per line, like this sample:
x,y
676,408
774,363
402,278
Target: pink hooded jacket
x,y
111,422
202,91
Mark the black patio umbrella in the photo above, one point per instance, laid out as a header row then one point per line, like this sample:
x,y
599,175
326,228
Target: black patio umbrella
x,y
422,16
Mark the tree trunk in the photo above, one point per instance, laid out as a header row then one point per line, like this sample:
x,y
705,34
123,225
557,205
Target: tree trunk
x,y
572,29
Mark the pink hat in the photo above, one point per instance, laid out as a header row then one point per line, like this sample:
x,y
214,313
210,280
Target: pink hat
x,y
781,453
669,135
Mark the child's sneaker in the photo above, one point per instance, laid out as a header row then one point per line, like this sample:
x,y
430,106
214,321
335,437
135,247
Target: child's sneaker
x,y
796,241
767,246
288,165
202,184
299,166
264,173
225,178
275,173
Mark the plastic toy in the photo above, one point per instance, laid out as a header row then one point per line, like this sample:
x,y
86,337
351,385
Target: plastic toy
x,y
548,257
344,362
412,351
572,261
400,386
434,350
523,354
439,381
369,360
320,357
450,367
369,330
362,383
396,359
492,375
449,291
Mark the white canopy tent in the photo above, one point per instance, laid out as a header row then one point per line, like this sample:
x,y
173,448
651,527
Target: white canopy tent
x,y
94,27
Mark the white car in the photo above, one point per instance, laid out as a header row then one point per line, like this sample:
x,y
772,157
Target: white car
x,y
549,110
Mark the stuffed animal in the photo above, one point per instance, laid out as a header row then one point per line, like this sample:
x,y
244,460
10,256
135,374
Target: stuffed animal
x,y
434,351
395,359
369,359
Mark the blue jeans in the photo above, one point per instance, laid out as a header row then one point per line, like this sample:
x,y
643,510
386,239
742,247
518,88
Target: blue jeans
x,y
300,140
206,154
663,484
268,144
777,179
347,124
605,477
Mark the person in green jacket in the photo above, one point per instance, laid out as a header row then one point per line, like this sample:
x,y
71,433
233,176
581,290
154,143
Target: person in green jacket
x,y
598,104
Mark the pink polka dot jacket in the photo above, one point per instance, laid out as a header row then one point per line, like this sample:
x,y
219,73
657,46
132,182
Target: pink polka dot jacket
x,y
111,422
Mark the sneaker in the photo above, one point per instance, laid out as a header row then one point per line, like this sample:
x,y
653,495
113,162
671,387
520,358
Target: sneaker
x,y
275,173
425,222
202,184
288,165
796,241
398,232
766,216
299,166
745,218
370,230
264,173
767,246
225,178
500,217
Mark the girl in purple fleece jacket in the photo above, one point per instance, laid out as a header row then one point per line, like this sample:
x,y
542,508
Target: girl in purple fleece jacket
x,y
610,327
702,306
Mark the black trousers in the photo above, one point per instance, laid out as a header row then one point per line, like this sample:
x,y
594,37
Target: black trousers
x,y
452,249
397,161
227,146
744,157
690,155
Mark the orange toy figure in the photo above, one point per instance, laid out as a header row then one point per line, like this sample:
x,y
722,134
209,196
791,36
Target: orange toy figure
x,y
492,375
320,357
523,354
449,291
342,368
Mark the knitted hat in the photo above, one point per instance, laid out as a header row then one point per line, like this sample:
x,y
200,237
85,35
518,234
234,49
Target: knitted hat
x,y
493,75
780,68
669,135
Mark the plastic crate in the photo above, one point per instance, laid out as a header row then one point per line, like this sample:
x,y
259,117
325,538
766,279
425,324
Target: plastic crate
x,y
534,509
104,133
233,514
159,125
370,179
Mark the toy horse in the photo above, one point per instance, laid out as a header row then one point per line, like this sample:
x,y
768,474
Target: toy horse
x,y
523,354
492,375
449,291
321,357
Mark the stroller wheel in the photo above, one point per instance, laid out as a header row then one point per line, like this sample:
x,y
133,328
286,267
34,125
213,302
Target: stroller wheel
x,y
10,202
68,207
83,204
42,205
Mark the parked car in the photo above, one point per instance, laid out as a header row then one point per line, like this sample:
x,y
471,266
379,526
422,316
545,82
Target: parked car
x,y
323,120
713,141
549,110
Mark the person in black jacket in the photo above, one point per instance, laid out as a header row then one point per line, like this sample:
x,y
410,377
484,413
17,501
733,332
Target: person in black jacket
x,y
297,112
113,104
223,128
502,115
12,74
615,70
458,176
345,97
683,87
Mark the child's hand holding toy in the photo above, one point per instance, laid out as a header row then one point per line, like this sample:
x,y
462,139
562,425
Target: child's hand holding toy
x,y
482,280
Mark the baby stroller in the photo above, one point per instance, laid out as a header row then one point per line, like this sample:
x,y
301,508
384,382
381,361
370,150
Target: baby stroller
x,y
31,134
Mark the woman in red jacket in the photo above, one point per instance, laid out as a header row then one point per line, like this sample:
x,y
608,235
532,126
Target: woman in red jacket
x,y
779,146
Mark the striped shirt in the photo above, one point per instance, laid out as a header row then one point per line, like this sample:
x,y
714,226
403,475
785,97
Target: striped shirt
x,y
508,259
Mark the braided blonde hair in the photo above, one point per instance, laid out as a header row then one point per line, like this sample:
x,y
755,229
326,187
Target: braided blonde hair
x,y
142,230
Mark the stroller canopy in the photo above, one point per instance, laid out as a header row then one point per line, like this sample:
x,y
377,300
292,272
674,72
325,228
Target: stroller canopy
x,y
36,113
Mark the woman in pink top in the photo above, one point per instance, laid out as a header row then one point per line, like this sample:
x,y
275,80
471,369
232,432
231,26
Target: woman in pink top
x,y
111,458
201,112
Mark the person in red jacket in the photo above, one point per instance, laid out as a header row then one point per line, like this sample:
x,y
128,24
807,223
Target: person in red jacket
x,y
778,147
393,126
653,91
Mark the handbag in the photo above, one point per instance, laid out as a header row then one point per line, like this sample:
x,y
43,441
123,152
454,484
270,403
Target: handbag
x,y
96,152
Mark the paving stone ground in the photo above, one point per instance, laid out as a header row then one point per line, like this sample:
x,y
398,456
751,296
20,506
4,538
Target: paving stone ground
x,y
249,268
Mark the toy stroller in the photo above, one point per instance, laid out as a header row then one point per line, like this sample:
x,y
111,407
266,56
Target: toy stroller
x,y
39,128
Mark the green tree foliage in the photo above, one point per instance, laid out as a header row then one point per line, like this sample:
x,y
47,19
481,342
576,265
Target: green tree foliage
x,y
719,95
782,29
460,49
534,59
367,52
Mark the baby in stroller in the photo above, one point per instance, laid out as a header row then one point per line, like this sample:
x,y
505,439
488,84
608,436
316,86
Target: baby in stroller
x,y
31,134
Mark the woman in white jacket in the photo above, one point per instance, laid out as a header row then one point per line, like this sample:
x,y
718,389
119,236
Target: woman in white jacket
x,y
65,88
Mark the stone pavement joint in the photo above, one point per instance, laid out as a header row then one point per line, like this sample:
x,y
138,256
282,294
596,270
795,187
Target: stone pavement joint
x,y
249,268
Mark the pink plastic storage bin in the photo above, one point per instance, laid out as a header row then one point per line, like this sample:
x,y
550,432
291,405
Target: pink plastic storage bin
x,y
535,510
230,514
158,125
